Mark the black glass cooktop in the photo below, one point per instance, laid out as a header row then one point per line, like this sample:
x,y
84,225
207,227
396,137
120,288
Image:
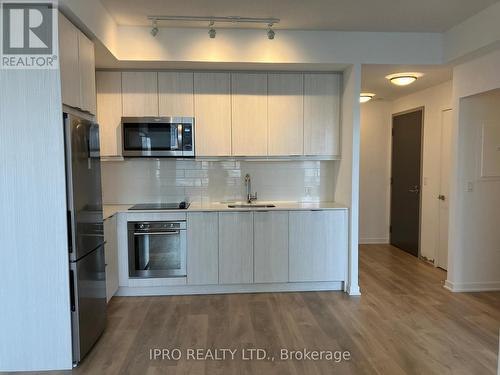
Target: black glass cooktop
x,y
160,206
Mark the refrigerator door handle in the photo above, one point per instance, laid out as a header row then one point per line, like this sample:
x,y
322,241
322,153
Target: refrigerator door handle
x,y
72,290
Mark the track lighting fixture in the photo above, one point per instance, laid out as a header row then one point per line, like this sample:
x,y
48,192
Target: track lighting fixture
x,y
270,32
270,22
212,32
154,29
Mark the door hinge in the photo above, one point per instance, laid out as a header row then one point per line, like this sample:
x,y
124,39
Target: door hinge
x,y
390,228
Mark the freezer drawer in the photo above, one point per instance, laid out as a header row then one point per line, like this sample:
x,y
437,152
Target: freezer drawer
x,y
88,301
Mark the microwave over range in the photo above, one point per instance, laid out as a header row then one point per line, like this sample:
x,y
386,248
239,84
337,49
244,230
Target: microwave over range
x,y
158,137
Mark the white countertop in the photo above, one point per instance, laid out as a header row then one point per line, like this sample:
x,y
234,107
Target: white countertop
x,y
110,210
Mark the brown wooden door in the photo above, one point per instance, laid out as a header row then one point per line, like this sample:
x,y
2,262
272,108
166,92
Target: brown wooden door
x,y
405,182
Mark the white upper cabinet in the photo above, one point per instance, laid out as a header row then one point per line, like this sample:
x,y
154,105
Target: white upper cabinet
x,y
212,107
236,114
109,112
249,109
77,64
176,97
286,114
68,60
140,94
322,114
87,73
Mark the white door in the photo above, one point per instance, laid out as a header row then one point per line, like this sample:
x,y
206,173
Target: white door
x,y
442,257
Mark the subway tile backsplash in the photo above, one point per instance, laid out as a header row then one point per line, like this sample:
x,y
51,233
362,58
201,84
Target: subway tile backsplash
x,y
165,180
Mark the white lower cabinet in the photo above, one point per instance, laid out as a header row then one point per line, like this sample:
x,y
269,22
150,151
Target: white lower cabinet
x,y
317,245
235,247
271,247
111,256
202,248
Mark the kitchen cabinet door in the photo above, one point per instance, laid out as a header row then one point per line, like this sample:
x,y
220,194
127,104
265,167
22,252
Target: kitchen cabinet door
x,y
322,114
286,114
235,247
249,111
176,95
111,256
68,60
86,68
140,94
318,245
212,107
109,112
202,248
271,247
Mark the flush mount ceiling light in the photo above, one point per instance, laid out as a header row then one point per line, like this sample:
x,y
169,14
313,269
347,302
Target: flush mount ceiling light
x,y
403,79
365,97
154,28
269,22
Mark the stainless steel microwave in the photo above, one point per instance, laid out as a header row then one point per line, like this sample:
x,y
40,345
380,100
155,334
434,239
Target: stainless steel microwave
x,y
158,137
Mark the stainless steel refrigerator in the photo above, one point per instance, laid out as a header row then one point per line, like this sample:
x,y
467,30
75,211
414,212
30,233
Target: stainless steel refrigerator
x,y
85,231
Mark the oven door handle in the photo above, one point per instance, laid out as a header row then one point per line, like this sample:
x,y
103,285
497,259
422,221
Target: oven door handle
x,y
156,233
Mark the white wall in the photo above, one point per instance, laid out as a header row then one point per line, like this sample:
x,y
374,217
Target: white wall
x,y
376,154
374,181
469,264
163,180
347,185
434,100
479,263
477,33
289,46
35,324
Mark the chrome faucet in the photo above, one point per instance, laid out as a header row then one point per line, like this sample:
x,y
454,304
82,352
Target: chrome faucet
x,y
248,183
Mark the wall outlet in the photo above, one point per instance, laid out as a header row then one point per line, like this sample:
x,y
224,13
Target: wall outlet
x,y
469,187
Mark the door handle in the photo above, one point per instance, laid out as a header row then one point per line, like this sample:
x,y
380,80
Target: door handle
x,y
415,189
441,197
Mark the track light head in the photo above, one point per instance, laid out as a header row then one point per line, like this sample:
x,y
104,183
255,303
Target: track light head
x,y
211,32
154,28
270,32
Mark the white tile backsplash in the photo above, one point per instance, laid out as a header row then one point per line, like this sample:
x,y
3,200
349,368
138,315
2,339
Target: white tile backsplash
x,y
162,180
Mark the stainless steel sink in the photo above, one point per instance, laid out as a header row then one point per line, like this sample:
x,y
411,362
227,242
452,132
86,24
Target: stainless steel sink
x,y
251,205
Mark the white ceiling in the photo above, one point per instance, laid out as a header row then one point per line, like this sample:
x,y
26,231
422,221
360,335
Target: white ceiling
x,y
348,15
373,79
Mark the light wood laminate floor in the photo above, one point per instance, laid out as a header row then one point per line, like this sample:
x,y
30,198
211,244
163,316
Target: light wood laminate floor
x,y
405,322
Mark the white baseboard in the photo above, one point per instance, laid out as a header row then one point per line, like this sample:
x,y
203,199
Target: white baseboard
x,y
373,240
227,289
489,286
353,290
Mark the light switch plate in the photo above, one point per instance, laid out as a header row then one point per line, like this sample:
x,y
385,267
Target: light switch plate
x,y
469,187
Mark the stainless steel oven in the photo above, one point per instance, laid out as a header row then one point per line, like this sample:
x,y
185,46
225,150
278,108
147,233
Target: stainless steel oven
x,y
158,136
157,249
